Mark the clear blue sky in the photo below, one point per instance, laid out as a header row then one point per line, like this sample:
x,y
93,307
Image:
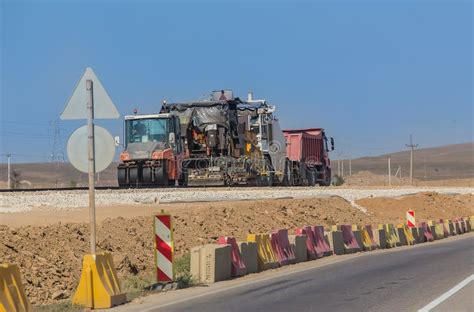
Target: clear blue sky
x,y
370,72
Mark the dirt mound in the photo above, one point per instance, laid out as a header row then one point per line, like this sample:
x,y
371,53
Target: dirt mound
x,y
50,256
427,206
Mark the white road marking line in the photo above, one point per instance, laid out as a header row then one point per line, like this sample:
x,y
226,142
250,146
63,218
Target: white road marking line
x,y
447,294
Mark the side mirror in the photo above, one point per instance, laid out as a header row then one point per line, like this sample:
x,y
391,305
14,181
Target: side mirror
x,y
332,144
117,140
171,138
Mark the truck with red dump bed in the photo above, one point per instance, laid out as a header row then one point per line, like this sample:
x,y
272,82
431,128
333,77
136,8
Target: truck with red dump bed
x,y
307,154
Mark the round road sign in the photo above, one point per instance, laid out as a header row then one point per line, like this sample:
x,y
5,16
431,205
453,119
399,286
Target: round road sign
x,y
77,149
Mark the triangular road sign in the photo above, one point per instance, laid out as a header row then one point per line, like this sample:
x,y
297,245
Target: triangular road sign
x,y
76,107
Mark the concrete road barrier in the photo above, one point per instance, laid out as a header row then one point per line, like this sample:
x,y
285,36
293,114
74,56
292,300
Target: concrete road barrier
x,y
266,256
358,236
405,235
336,241
428,236
249,254
311,249
467,223
321,245
392,239
416,234
12,294
450,226
368,242
238,266
350,242
211,263
281,247
300,249
380,237
421,235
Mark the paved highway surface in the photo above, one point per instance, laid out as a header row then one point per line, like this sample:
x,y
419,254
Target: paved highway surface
x,y
407,279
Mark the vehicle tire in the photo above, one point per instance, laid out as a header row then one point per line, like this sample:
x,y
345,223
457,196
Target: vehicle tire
x,y
184,177
161,176
135,177
122,177
327,179
312,177
147,175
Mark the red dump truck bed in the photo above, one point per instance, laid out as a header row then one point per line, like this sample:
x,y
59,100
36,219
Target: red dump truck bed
x,y
305,144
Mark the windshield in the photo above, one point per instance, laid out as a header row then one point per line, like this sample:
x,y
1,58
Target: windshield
x,y
147,130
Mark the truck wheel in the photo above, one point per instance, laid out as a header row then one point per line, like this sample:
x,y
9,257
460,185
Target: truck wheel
x,y
122,177
311,177
327,178
147,172
184,178
135,176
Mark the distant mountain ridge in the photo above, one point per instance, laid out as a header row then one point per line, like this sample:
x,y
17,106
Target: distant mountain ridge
x,y
455,161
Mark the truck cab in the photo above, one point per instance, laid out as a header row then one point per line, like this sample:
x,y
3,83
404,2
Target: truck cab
x,y
153,151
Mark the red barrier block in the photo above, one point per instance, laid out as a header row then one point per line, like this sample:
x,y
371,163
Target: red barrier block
x,y
238,266
322,247
309,241
428,235
281,247
348,237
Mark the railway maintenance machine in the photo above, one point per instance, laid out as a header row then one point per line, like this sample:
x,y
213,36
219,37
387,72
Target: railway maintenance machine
x,y
221,140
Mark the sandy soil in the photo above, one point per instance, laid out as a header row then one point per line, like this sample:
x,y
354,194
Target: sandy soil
x,y
49,253
427,206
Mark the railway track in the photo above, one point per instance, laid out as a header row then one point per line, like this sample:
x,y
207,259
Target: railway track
x,y
57,189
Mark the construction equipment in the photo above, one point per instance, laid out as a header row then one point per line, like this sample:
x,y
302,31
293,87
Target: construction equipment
x,y
221,140
307,152
153,152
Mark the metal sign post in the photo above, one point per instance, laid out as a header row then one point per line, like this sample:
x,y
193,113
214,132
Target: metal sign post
x,y
91,158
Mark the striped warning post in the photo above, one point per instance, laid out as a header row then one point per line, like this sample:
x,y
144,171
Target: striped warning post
x,y
164,248
411,218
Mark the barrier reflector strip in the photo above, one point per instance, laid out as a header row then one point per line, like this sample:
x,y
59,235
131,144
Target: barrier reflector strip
x,y
164,248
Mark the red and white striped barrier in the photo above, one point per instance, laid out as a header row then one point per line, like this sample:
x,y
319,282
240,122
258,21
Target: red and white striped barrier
x,y
164,248
411,218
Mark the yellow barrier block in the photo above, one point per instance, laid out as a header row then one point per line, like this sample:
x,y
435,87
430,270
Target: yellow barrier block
x,y
392,236
439,230
367,242
12,294
410,239
99,287
266,256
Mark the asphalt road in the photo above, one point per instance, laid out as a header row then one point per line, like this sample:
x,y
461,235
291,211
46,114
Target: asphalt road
x,y
405,280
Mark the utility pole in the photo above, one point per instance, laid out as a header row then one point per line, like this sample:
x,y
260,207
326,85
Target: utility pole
x,y
9,171
350,167
91,154
412,156
338,167
342,169
389,173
